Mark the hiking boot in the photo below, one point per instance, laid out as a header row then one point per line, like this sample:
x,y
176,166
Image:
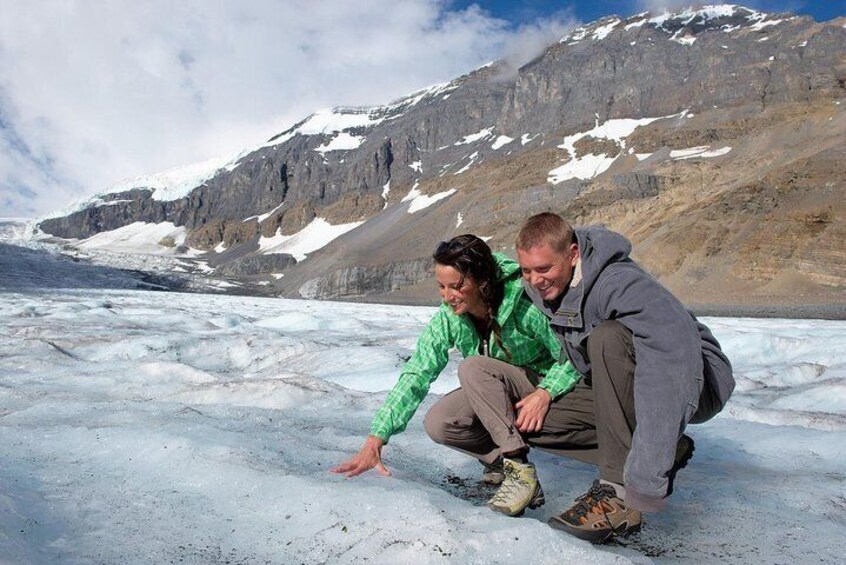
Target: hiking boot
x,y
493,473
597,516
520,488
684,451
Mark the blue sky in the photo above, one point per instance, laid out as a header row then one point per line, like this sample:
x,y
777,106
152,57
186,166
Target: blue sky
x,y
524,11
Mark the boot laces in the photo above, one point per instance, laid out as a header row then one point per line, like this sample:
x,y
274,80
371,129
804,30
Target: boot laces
x,y
509,486
593,498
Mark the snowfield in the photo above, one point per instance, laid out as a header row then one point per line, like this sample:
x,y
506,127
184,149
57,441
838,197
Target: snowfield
x,y
150,427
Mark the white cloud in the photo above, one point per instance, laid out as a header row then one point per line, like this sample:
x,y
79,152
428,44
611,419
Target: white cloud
x,y
662,5
97,91
532,38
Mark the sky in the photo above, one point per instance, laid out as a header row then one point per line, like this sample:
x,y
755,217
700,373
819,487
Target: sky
x,y
93,92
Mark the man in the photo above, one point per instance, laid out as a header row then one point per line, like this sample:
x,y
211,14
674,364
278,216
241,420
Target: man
x,y
649,368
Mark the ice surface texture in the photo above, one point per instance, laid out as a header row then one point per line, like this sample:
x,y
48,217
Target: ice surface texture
x,y
146,427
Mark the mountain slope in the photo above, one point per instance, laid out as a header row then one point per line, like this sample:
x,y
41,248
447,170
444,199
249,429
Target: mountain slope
x,y
710,137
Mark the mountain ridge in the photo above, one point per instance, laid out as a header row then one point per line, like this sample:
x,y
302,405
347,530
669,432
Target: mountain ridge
x,y
725,93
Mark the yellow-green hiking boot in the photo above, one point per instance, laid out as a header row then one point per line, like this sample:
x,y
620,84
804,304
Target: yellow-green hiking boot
x,y
494,474
519,489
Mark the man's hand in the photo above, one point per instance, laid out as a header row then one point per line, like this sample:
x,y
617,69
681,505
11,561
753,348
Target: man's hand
x,y
531,411
370,456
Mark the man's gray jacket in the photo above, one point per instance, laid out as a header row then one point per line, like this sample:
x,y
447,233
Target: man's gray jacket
x,y
681,374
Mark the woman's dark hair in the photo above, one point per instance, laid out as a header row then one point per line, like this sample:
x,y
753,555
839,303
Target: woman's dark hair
x,y
471,257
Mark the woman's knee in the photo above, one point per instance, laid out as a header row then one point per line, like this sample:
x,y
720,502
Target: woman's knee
x,y
471,369
435,423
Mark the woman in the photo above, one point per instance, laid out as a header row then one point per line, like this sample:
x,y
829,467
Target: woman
x,y
508,378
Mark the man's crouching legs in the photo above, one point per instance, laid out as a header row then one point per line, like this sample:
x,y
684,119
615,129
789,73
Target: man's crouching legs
x,y
601,512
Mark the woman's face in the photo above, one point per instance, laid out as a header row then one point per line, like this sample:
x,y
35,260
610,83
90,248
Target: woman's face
x,y
461,293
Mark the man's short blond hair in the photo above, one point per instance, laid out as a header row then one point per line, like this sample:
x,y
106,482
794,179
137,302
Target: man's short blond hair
x,y
546,228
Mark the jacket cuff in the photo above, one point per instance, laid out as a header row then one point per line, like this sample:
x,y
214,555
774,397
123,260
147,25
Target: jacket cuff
x,y
381,434
550,388
643,502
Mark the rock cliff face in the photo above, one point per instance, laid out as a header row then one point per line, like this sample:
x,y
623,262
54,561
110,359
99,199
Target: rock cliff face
x,y
361,281
714,139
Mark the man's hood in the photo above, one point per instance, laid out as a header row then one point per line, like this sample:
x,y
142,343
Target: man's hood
x,y
599,247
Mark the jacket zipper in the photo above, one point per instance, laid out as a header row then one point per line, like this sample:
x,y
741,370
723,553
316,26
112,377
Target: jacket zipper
x,y
571,317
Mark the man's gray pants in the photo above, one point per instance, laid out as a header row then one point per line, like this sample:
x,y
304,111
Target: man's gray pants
x,y
593,423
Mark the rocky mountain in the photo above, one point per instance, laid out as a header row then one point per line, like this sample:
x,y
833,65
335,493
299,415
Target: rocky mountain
x,y
715,139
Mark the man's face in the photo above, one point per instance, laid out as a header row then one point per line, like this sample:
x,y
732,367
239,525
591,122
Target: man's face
x,y
548,270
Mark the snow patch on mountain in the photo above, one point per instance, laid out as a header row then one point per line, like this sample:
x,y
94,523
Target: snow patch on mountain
x,y
138,237
636,21
415,97
473,137
677,23
334,120
686,40
591,165
311,238
262,217
472,161
575,36
341,142
501,141
762,24
420,201
703,152
602,32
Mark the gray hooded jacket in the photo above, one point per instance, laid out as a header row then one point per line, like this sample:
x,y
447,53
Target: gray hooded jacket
x,y
681,374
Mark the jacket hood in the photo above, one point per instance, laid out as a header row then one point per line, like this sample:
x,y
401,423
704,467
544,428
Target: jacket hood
x,y
509,275
599,247
507,266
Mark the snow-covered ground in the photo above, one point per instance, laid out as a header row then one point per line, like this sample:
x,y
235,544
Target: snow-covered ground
x,y
145,427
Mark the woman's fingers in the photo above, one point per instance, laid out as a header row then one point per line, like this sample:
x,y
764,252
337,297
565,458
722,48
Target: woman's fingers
x,y
382,469
342,468
363,461
355,466
355,471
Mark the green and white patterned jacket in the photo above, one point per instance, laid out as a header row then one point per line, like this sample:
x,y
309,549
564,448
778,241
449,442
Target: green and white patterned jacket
x,y
525,332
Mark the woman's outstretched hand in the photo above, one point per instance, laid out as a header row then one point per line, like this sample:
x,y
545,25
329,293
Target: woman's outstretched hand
x,y
368,457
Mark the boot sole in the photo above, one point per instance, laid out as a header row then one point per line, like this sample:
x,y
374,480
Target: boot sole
x,y
596,537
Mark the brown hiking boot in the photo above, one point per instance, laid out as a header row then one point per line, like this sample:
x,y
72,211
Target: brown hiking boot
x,y
597,516
684,452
